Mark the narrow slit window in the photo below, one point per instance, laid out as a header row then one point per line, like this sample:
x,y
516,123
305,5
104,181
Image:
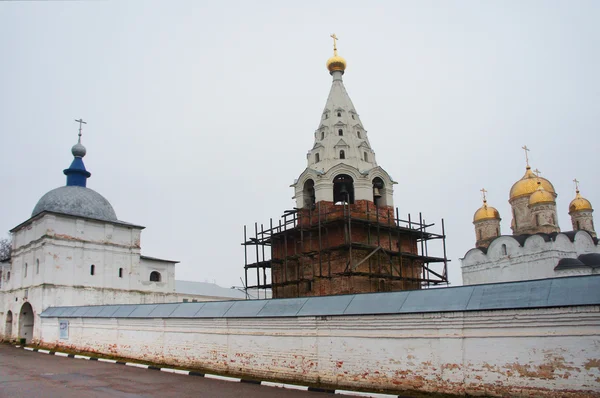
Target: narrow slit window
x,y
358,134
317,159
120,272
322,135
37,266
504,251
92,269
342,154
366,157
25,273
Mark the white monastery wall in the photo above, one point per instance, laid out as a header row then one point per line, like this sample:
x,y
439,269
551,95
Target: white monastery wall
x,y
506,260
542,352
42,297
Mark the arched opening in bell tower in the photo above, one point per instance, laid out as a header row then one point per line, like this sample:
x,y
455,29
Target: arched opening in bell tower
x,y
379,192
343,189
309,194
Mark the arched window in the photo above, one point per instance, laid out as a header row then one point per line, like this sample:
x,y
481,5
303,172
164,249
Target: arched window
x,y
155,276
515,218
503,250
25,272
537,220
366,157
340,132
553,220
480,235
322,135
325,116
37,266
317,158
578,226
342,154
309,193
120,272
358,134
497,231
352,116
92,269
339,114
343,189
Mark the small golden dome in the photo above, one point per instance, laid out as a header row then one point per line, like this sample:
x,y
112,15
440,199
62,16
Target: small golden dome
x,y
528,185
579,203
540,196
486,212
336,63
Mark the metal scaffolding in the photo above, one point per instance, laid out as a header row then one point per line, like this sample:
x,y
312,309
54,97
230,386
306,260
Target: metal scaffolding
x,y
309,231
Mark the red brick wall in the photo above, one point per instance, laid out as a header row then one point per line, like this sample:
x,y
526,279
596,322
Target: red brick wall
x,y
322,270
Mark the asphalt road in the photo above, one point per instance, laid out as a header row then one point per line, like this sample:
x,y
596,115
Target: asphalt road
x,y
33,374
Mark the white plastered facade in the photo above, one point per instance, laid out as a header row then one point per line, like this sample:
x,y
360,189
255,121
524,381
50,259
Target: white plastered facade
x,y
507,260
341,146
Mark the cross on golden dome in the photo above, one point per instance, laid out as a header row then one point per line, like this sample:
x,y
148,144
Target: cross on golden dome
x,y
576,185
335,38
483,192
524,147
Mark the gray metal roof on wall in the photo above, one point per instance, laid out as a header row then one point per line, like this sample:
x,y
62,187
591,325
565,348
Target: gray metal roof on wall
x,y
557,292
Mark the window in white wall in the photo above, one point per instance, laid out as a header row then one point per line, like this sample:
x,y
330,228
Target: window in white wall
x,y
25,272
155,276
503,250
37,266
120,272
92,269
342,154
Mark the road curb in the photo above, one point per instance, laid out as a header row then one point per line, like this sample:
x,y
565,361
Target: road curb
x,y
212,376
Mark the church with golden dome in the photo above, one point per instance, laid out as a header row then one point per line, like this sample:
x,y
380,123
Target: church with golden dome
x,y
537,248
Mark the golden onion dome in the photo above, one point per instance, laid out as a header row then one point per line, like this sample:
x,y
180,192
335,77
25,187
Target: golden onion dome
x,y
540,196
528,185
486,212
336,63
579,203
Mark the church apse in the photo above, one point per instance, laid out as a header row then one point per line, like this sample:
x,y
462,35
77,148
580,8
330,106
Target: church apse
x,y
344,236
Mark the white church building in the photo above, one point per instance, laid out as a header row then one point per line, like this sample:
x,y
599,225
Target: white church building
x,y
536,249
73,250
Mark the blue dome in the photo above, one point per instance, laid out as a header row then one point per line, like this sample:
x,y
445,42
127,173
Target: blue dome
x,y
76,201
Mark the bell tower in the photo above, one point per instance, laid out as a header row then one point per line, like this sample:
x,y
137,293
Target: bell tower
x,y
344,235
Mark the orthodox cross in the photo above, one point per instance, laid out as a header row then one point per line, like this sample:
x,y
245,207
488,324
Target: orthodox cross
x,y
526,156
537,172
81,122
335,38
483,191
576,184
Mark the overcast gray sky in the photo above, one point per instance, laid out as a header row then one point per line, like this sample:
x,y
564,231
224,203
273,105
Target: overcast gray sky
x,y
200,114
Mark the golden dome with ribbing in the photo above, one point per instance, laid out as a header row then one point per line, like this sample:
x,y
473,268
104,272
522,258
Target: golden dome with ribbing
x,y
540,196
486,212
336,63
528,185
579,203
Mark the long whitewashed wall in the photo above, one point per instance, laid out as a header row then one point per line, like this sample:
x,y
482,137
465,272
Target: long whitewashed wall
x,y
551,351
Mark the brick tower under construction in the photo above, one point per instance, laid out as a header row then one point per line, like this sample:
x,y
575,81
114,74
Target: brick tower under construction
x,y
344,236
